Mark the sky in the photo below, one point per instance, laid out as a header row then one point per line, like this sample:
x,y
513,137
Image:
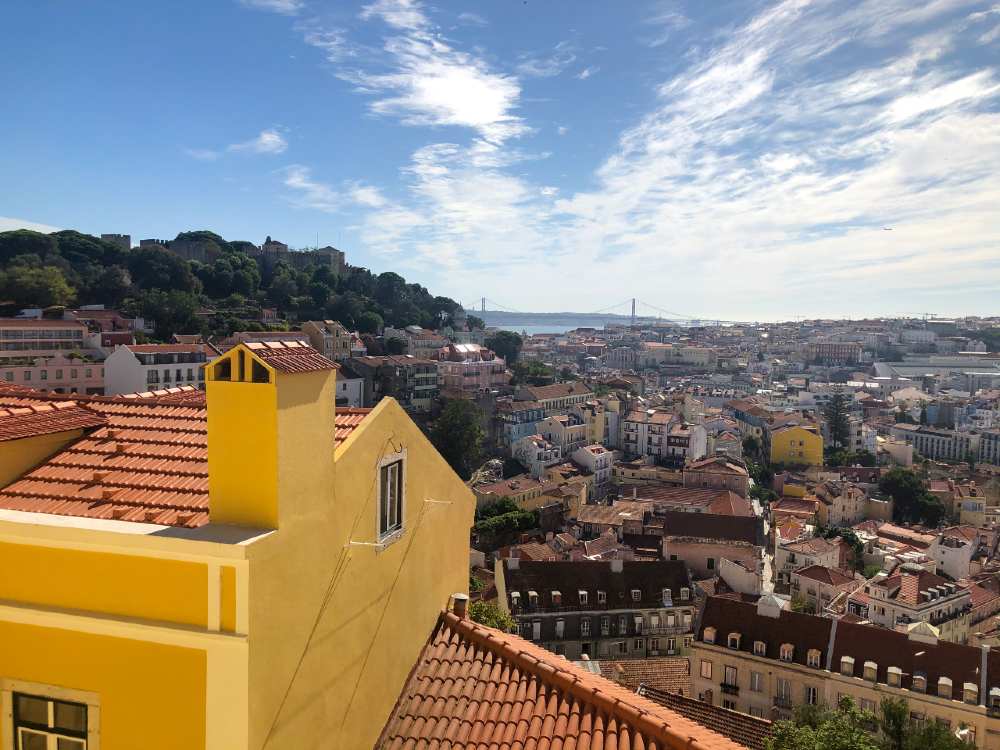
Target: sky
x,y
744,160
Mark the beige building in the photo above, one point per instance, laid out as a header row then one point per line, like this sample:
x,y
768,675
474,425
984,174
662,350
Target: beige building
x,y
764,659
821,587
840,503
328,337
718,472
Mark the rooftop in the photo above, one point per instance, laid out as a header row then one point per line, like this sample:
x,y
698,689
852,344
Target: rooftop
x,y
476,687
667,673
747,730
32,420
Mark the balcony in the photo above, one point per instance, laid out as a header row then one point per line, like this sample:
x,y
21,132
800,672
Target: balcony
x,y
728,689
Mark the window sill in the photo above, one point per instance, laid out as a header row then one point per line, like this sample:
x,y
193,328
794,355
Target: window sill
x,y
391,537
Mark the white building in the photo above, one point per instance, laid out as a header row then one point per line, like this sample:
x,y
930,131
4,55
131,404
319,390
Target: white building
x,y
598,460
146,367
536,454
350,391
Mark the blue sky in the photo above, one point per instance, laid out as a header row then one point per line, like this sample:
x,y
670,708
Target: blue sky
x,y
740,160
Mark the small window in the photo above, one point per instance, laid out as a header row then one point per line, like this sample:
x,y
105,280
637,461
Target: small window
x,y
224,369
734,640
919,684
894,676
585,627
970,693
871,671
787,652
685,594
602,597
556,598
709,635
636,595
811,695
711,563
847,666
259,373
759,648
390,498
813,657
583,596
706,669
43,723
757,682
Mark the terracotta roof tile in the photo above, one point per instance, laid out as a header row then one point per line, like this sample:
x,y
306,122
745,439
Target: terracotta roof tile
x,y
147,463
476,687
668,673
30,420
290,356
745,729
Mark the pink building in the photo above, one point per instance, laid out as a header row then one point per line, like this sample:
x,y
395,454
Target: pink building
x,y
50,355
471,367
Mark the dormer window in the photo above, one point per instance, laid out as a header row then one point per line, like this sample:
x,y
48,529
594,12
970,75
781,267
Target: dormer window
x,y
583,596
556,598
894,676
786,652
667,598
970,693
636,595
602,597
847,666
759,648
944,687
515,598
685,594
734,640
871,671
813,657
533,598
919,684
709,635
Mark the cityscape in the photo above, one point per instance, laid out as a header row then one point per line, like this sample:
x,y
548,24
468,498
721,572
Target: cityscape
x,y
541,376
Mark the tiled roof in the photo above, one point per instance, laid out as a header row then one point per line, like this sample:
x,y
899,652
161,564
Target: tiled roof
x,y
290,356
17,422
183,394
721,502
149,463
668,673
165,348
346,421
823,574
557,390
718,465
476,687
815,546
747,730
711,526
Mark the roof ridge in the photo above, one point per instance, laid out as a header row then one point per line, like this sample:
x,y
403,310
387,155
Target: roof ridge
x,y
570,679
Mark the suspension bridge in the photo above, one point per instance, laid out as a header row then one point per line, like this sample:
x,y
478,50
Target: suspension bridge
x,y
634,309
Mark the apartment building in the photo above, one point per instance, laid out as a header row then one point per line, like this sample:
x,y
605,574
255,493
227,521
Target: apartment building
x,y
912,594
795,445
702,540
834,352
235,569
419,342
819,587
556,398
518,419
536,454
60,356
470,368
598,609
840,503
598,460
789,556
147,367
938,443
329,337
765,660
412,381
567,431
718,472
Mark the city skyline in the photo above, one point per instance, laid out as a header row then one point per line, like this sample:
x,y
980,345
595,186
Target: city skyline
x,y
755,161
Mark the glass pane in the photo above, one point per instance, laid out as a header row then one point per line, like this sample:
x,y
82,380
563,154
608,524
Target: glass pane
x,y
66,743
35,710
72,716
31,740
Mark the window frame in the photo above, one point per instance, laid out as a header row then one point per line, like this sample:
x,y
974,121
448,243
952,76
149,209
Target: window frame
x,y
391,533
9,688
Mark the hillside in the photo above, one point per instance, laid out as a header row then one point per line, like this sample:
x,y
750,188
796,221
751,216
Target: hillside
x,y
69,268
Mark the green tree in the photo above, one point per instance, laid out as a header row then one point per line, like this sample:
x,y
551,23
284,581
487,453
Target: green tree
x,y
27,242
751,445
506,344
475,323
157,268
458,435
490,615
532,373
844,728
837,425
911,500
28,286
370,322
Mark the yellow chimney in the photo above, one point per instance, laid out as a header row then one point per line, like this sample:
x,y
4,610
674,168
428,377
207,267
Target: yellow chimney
x,y
270,432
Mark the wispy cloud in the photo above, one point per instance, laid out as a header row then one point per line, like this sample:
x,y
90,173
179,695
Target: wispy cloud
x,y
267,142
586,73
665,20
9,224
472,19
548,64
309,193
426,81
334,41
285,7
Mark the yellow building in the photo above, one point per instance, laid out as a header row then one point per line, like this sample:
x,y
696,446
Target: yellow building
x,y
796,445
257,572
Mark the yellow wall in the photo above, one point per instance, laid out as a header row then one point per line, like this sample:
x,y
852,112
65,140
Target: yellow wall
x,y
152,696
785,447
382,604
126,585
17,457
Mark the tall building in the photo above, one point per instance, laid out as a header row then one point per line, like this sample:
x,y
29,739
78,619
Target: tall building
x,y
61,356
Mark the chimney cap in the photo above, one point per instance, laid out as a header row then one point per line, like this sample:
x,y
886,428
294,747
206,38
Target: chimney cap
x,y
460,604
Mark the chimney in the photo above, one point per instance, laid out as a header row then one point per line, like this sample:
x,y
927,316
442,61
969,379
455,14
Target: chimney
x,y
459,607
270,435
617,565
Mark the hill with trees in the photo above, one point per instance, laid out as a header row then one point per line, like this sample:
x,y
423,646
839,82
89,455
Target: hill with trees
x,y
68,268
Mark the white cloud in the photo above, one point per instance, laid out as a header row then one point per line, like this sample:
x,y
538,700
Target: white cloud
x,y
202,154
334,42
472,19
267,142
428,82
666,18
562,130
309,192
549,64
586,73
9,224
367,195
285,7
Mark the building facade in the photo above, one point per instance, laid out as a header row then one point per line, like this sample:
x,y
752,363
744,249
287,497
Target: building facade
x,y
148,367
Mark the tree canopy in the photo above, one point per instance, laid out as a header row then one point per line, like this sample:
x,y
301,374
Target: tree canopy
x,y
911,500
458,435
506,344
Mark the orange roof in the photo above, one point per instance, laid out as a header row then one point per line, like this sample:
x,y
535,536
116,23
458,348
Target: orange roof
x,y
475,687
290,356
29,420
668,673
149,464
